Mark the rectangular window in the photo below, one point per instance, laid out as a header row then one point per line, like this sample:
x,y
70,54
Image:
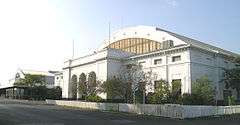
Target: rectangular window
x,y
157,61
176,58
142,63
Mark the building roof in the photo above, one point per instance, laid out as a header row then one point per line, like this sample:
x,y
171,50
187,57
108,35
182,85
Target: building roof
x,y
157,34
200,44
35,72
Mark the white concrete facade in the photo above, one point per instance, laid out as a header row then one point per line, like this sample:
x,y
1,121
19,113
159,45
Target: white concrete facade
x,y
187,60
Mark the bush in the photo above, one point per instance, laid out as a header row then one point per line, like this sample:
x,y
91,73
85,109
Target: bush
x,y
156,98
160,95
202,93
151,98
190,99
42,93
231,100
54,93
94,98
139,96
175,96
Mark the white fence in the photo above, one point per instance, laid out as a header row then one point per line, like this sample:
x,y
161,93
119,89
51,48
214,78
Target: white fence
x,y
166,110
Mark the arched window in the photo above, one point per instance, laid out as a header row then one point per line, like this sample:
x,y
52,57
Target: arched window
x,y
74,86
82,86
92,82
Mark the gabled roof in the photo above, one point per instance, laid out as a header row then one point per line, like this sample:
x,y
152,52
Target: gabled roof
x,y
199,44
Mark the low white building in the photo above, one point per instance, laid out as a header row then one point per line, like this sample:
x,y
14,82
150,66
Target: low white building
x,y
58,78
169,55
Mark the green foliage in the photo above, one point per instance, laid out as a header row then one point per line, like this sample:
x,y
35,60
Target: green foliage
x,y
190,99
92,83
113,88
160,95
202,93
74,86
20,82
237,61
232,80
54,93
42,93
38,92
93,98
176,94
31,80
231,100
138,96
82,86
116,89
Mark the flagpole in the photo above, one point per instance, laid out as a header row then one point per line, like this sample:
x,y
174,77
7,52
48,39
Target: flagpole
x,y
109,32
73,49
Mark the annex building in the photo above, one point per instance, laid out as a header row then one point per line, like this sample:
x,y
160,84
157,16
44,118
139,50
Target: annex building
x,y
169,55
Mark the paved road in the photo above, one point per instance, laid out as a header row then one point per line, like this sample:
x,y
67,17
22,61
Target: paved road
x,y
28,114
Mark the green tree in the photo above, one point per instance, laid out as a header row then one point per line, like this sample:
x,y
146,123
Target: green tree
x,y
176,94
161,93
134,76
113,88
31,80
74,86
92,83
232,80
202,91
237,61
82,86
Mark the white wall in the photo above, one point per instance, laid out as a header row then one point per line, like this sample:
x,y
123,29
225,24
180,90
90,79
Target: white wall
x,y
105,63
169,70
204,63
165,110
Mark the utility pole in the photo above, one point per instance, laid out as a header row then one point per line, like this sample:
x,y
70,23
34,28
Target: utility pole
x,y
73,49
109,32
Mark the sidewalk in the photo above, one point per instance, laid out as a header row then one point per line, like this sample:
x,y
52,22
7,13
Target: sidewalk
x,y
18,101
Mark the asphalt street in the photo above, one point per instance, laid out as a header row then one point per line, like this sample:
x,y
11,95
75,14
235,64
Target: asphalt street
x,y
33,114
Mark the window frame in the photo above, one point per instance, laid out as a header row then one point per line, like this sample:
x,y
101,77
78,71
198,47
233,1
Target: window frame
x,y
176,58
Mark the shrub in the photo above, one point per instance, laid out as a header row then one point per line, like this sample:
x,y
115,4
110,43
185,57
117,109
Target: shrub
x,y
202,93
138,96
160,95
54,93
94,98
231,100
176,94
151,98
190,99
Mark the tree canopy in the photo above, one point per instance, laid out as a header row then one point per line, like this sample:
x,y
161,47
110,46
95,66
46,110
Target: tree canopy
x,y
92,83
232,79
74,86
31,80
82,86
203,90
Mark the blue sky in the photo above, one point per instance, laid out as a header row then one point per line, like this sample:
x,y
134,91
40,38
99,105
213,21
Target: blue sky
x,y
212,21
38,34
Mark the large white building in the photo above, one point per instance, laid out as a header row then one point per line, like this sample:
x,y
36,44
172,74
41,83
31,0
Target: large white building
x,y
167,54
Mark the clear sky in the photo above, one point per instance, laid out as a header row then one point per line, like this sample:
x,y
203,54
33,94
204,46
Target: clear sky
x,y
38,34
